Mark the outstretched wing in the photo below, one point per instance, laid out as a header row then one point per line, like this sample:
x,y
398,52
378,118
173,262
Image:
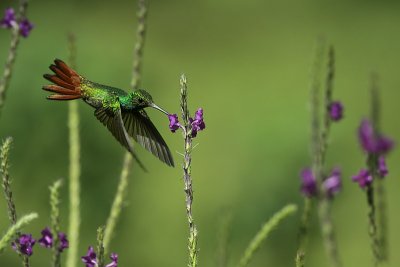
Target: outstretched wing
x,y
139,126
113,121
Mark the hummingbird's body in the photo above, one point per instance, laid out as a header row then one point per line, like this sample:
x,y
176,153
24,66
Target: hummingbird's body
x,y
121,112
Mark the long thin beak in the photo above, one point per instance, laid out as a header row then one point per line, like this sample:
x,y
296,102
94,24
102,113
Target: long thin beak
x,y
158,108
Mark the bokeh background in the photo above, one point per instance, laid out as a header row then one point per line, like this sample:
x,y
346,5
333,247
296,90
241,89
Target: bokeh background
x,y
248,65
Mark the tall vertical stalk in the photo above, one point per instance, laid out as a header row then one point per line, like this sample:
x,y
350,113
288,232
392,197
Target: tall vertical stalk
x,y
12,53
127,163
187,171
74,168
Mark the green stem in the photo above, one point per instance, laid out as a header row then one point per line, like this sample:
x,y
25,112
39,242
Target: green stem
x,y
12,53
303,232
270,225
74,169
55,220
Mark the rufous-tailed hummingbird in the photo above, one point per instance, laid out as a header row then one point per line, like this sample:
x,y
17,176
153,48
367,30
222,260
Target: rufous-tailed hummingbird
x,y
121,112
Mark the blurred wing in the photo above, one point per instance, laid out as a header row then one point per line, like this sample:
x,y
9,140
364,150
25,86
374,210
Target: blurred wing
x,y
140,127
113,121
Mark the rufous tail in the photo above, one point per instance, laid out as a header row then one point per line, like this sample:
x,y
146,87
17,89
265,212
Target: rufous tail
x,y
67,83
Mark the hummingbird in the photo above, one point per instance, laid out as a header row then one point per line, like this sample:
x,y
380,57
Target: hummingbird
x,y
122,113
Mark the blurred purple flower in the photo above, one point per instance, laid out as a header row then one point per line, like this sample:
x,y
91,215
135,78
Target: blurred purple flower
x,y
336,110
363,178
90,259
63,241
25,244
173,122
114,260
308,183
47,238
333,183
371,143
9,18
382,169
25,27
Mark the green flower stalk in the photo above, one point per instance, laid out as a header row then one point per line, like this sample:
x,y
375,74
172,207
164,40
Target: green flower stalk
x,y
12,52
187,171
14,229
55,220
100,246
127,163
74,168
265,230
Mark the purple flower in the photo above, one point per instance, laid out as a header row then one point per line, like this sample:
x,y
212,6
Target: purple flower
x,y
90,259
198,122
25,244
47,238
9,18
336,110
371,143
308,183
363,178
25,27
63,241
333,183
173,122
382,169
114,260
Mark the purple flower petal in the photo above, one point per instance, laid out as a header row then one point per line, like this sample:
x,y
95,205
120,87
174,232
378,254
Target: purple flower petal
x,y
114,258
90,259
382,169
384,144
173,122
336,111
25,243
47,238
363,178
64,243
9,18
25,27
308,183
367,137
333,183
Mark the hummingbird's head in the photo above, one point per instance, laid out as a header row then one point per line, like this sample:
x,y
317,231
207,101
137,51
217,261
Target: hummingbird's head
x,y
142,99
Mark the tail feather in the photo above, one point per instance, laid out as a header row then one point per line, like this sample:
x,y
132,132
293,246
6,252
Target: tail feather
x,y
67,83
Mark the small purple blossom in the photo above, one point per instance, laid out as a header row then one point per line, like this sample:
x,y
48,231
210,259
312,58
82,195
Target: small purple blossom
x,y
47,238
64,243
308,183
333,183
90,259
9,18
198,122
371,143
25,244
25,27
173,122
363,178
114,260
336,110
382,169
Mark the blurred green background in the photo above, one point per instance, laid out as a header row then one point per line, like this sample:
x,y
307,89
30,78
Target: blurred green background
x,y
247,64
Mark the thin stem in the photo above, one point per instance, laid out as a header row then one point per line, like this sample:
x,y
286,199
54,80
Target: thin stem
x,y
138,51
74,168
372,225
4,157
12,53
187,178
270,225
127,165
118,202
55,220
303,232
100,246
